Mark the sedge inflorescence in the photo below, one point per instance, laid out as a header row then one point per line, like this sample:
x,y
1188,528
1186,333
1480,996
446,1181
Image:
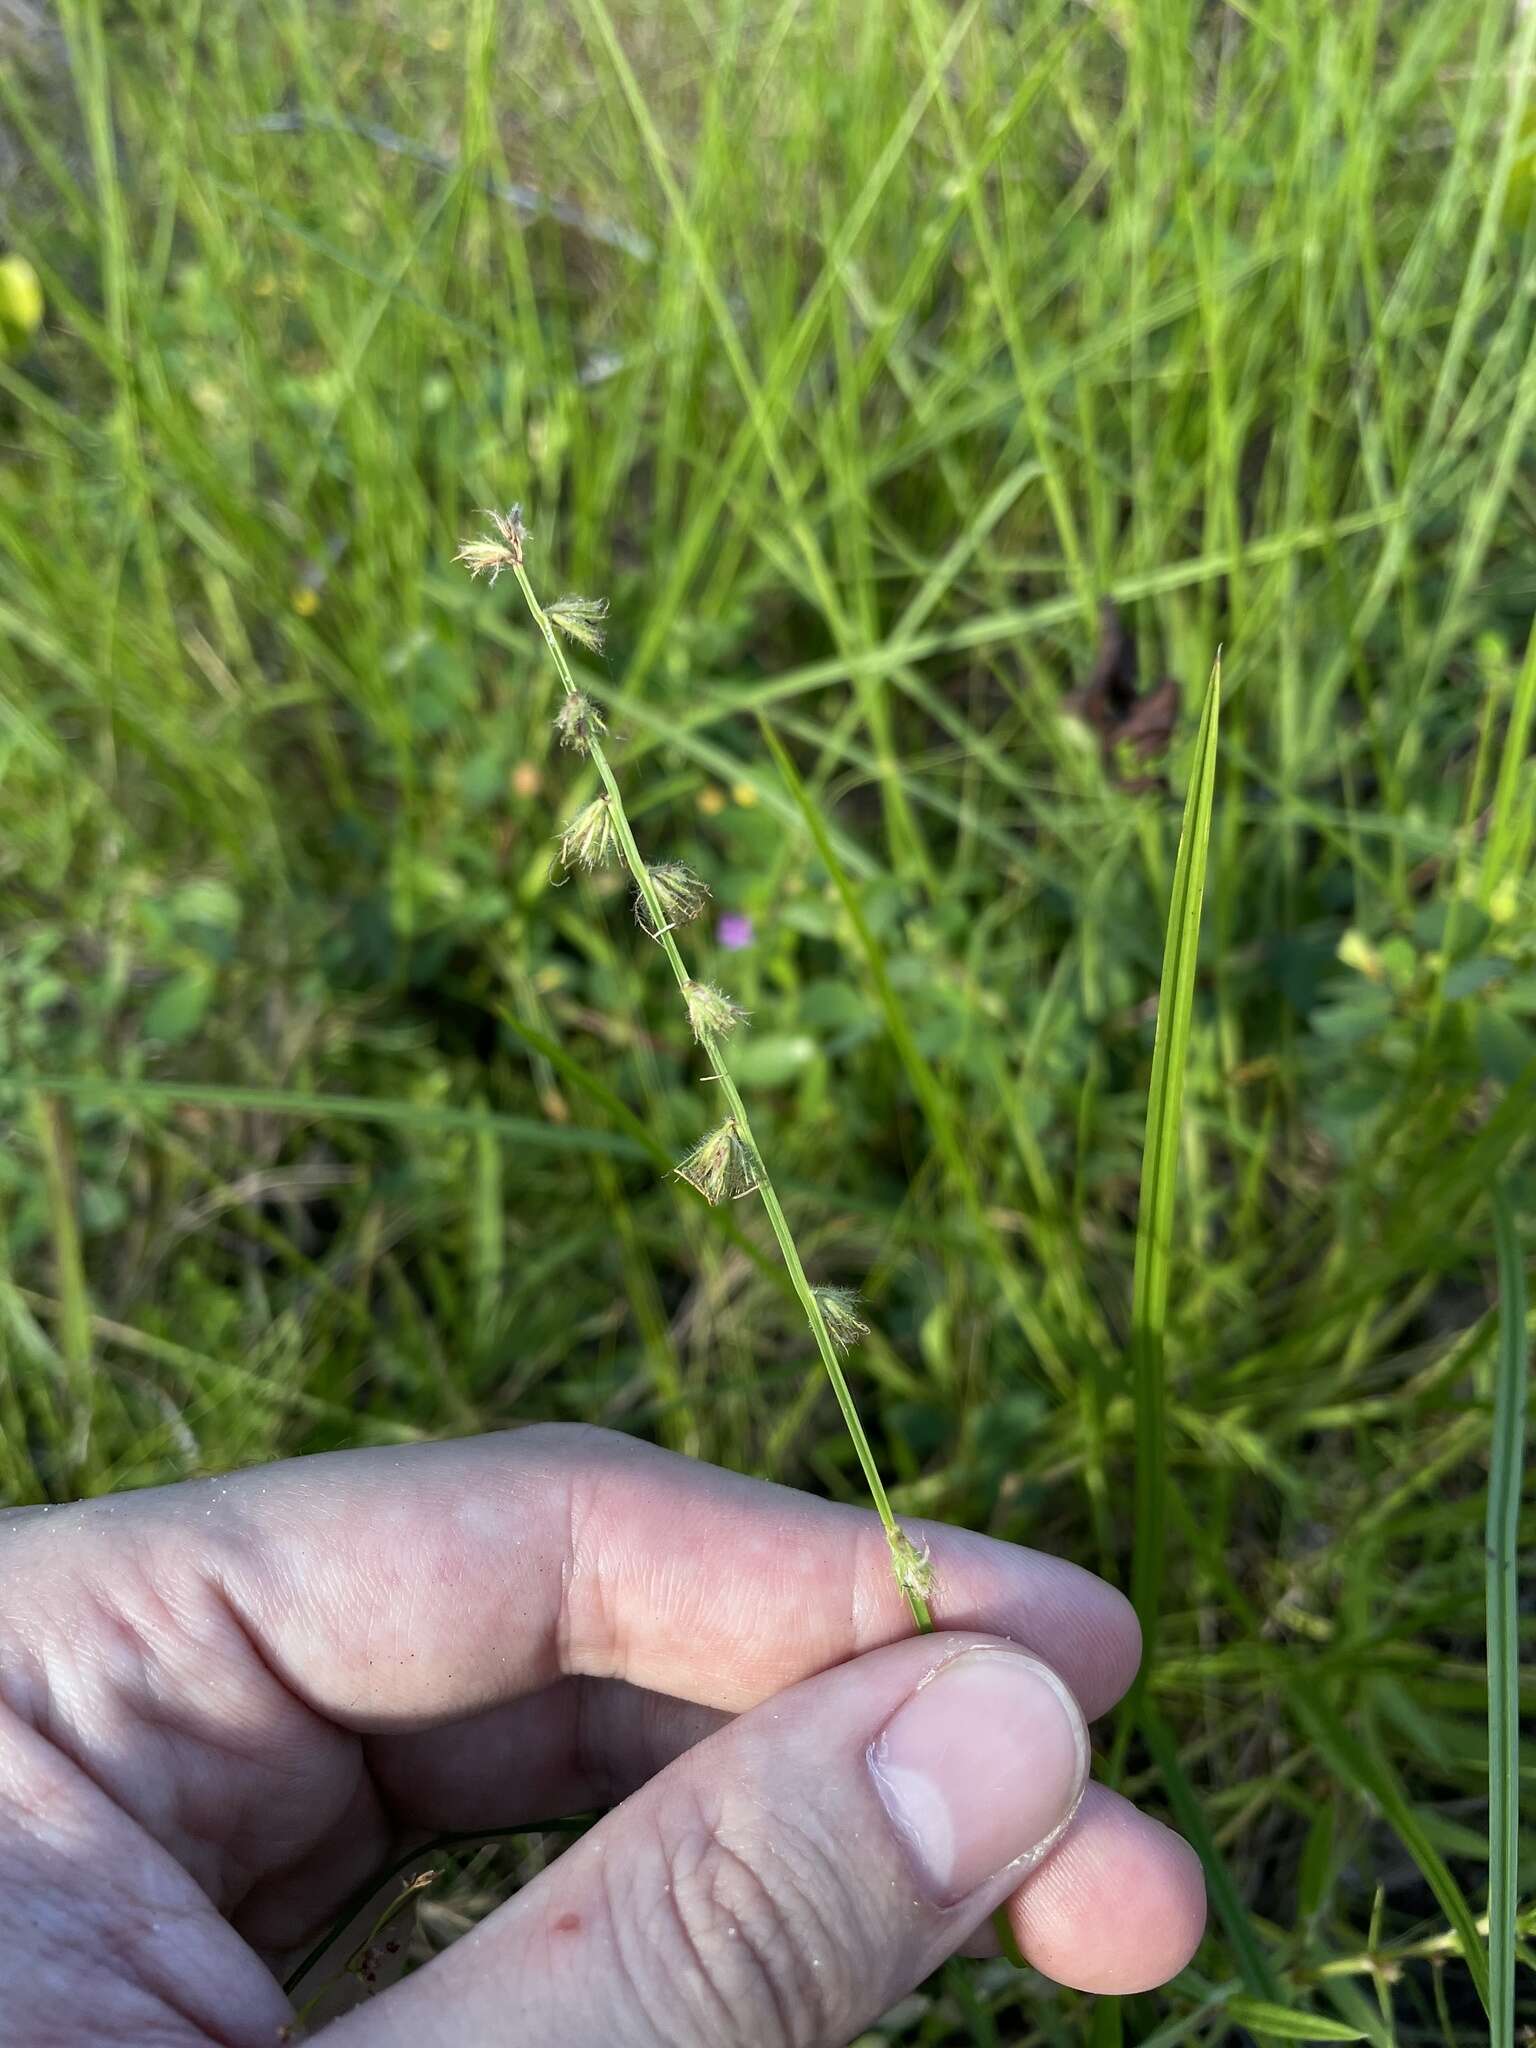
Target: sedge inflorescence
x,y
726,1163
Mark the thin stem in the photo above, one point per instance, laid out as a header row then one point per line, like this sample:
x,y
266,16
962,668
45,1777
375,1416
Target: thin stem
x,y
901,1547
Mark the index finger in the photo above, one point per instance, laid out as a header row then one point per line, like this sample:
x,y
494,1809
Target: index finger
x,y
397,1588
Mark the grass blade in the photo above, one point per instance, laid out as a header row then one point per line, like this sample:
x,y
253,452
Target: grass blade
x,y
53,1135
1360,1764
1279,2023
1511,1373
1160,1166
1512,813
1247,1948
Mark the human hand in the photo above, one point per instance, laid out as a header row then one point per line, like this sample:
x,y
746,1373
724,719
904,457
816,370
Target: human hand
x,y
224,1704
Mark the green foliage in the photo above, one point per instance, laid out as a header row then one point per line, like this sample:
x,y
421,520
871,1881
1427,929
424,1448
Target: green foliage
x,y
1160,1170
1275,2023
855,354
1507,1465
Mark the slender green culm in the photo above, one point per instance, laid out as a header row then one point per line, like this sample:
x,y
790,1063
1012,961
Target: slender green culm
x,y
1505,1465
728,1162
75,1341
1160,1169
1512,814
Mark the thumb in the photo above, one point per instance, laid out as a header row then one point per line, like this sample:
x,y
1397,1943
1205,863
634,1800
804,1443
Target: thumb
x,y
783,1883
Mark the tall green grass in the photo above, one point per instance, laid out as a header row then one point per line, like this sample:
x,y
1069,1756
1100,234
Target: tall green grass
x,y
1512,1369
1152,1272
857,353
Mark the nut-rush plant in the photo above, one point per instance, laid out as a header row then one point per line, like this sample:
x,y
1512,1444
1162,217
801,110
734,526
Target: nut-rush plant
x,y
727,1163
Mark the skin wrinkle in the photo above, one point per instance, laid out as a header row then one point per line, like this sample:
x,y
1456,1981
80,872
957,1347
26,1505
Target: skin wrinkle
x,y
61,1933
124,1941
23,1669
159,1731
151,1725
99,1711
201,1841
314,1726
140,1903
269,1561
761,1943
823,1944
631,1943
257,1639
748,1898
669,1909
219,1623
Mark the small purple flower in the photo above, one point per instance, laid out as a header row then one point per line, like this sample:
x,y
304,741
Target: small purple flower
x,y
734,931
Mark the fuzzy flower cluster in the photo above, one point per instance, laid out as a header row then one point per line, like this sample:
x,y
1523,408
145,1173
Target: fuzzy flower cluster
x,y
724,1166
502,549
591,839
679,894
578,723
580,619
840,1312
912,1564
711,1012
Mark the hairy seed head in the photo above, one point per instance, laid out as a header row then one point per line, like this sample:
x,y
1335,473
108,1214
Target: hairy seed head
x,y
591,839
580,619
578,723
485,556
722,1166
679,893
710,1011
839,1311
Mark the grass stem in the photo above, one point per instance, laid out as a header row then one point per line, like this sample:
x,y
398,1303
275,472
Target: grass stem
x,y
908,1562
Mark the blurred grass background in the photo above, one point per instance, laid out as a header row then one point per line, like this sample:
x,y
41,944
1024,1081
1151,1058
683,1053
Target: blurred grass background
x,y
857,353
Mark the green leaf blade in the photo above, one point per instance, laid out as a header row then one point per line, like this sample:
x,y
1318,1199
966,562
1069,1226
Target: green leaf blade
x,y
1159,1169
1279,2023
1506,1464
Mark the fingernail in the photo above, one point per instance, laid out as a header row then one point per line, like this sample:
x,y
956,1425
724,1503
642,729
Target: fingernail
x,y
981,1768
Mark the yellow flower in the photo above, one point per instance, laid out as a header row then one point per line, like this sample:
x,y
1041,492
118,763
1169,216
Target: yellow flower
x,y
21,299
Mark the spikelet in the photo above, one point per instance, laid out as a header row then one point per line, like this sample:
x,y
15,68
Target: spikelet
x,y
711,1013
912,1565
679,893
839,1311
723,1166
578,723
591,839
487,557
580,619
